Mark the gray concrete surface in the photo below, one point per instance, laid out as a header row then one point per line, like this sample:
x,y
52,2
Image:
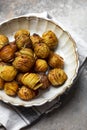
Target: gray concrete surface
x,y
73,15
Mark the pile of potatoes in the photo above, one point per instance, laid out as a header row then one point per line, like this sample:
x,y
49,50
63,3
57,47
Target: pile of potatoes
x,y
29,64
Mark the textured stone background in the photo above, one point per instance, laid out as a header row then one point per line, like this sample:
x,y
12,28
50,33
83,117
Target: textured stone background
x,y
73,15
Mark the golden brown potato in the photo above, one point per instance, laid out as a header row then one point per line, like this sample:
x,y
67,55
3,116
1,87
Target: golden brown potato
x,y
35,38
13,45
41,50
3,41
50,39
31,80
21,32
11,88
57,76
26,94
7,53
1,83
27,51
44,80
40,65
23,63
55,60
7,72
19,78
22,38
23,41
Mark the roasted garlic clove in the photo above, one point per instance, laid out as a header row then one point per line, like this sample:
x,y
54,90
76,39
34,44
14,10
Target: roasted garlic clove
x,y
3,41
11,88
23,63
21,32
35,38
40,65
50,39
26,94
7,72
41,50
44,80
57,76
31,80
7,53
1,83
55,60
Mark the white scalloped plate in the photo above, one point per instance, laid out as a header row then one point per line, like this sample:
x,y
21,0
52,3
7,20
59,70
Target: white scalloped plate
x,y
66,48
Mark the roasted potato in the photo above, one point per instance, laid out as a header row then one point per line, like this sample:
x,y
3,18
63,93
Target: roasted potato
x,y
35,38
55,60
23,63
7,53
22,38
41,50
31,80
7,72
50,39
21,32
3,41
57,76
11,88
44,80
26,94
40,65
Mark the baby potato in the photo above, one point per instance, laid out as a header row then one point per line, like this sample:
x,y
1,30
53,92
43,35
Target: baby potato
x,y
22,38
50,39
55,60
11,88
19,77
44,80
23,63
26,94
31,80
40,65
41,50
35,38
3,41
7,53
21,32
57,76
1,83
27,51
7,72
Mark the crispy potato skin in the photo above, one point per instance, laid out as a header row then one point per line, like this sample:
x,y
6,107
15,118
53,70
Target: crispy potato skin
x,y
55,60
23,63
3,41
7,72
50,39
41,50
26,94
7,53
1,83
44,80
40,65
32,80
57,77
22,38
11,88
36,39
